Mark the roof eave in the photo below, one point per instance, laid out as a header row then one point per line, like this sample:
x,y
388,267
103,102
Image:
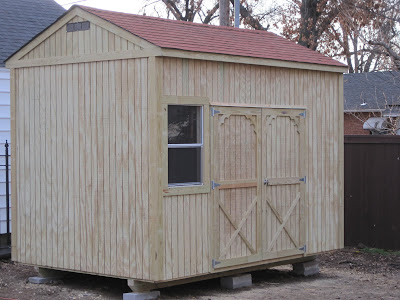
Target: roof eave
x,y
169,52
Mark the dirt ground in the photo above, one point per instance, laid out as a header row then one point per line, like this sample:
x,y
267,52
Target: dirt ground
x,y
347,274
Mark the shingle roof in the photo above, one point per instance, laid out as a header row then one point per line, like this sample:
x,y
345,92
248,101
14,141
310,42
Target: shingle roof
x,y
21,20
377,90
189,36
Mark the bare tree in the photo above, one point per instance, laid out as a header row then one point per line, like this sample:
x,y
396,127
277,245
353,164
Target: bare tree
x,y
364,33
253,13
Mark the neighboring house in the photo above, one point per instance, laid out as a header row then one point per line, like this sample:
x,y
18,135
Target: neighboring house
x,y
20,21
371,103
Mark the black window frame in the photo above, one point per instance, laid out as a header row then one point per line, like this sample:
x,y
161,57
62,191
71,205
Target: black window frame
x,y
199,145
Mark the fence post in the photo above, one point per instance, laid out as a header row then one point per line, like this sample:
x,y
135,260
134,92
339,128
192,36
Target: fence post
x,y
7,195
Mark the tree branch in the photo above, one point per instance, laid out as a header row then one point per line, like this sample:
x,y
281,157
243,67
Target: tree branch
x,y
173,9
387,47
253,22
210,14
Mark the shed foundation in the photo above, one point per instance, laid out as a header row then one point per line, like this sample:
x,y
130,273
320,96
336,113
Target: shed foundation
x,y
236,282
46,276
141,296
308,268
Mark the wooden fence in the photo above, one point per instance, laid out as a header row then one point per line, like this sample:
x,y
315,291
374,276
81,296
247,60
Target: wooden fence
x,y
372,191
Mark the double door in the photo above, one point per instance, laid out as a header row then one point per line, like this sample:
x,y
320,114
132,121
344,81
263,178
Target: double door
x,y
257,184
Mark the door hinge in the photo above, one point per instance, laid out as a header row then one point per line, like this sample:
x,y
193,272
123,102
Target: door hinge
x,y
304,248
304,179
303,114
214,263
214,185
214,111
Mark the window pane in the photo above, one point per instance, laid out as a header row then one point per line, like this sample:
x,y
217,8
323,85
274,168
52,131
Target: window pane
x,y
184,165
184,124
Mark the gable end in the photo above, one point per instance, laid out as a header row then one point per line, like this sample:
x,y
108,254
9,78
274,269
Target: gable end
x,y
78,35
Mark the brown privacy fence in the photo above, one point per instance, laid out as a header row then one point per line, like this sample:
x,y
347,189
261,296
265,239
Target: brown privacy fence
x,y
372,191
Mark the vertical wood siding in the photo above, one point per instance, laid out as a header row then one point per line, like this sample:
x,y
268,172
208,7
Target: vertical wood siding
x,y
82,165
238,84
93,41
186,234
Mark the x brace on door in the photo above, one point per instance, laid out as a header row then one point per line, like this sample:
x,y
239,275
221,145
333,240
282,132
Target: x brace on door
x,y
238,228
283,222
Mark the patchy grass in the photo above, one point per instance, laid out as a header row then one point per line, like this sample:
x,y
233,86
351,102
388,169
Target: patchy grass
x,y
380,251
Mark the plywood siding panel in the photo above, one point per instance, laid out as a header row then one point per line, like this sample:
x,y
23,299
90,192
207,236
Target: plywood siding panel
x,y
236,84
185,253
79,140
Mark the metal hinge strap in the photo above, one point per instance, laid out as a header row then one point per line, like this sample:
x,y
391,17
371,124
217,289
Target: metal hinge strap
x,y
304,248
214,184
214,263
304,179
303,114
214,111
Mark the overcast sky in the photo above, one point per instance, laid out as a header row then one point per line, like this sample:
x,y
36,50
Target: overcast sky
x,y
129,6
136,6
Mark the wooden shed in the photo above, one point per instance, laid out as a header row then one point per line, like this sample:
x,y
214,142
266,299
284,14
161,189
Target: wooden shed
x,y
162,151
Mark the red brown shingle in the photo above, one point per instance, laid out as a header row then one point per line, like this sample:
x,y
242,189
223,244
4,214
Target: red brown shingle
x,y
189,36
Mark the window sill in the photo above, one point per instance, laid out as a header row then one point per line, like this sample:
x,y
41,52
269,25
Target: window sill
x,y
186,190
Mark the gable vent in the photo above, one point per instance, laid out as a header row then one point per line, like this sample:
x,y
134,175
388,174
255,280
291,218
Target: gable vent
x,y
78,26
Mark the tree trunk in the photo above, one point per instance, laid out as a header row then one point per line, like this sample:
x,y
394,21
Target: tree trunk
x,y
309,17
224,12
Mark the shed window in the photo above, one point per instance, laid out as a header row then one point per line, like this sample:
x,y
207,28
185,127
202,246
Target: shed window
x,y
185,144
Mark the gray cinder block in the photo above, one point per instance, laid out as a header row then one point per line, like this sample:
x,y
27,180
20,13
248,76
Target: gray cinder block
x,y
141,296
308,268
236,282
46,276
40,280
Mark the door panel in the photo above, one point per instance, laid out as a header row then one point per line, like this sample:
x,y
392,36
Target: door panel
x,y
283,178
258,184
236,171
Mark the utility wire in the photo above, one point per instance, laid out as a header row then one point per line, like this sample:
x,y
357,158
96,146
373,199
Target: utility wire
x,y
74,2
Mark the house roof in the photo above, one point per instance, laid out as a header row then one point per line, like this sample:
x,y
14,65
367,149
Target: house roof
x,y
21,20
377,91
189,36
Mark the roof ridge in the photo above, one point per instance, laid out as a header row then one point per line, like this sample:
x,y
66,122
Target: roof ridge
x,y
186,23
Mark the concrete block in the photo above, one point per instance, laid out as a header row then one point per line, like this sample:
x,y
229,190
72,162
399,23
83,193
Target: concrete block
x,y
46,276
308,268
236,282
41,280
44,272
141,296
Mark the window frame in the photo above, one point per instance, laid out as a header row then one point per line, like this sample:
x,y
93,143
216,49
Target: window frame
x,y
196,187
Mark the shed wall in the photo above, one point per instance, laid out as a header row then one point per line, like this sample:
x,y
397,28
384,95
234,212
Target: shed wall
x,y
187,217
83,167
